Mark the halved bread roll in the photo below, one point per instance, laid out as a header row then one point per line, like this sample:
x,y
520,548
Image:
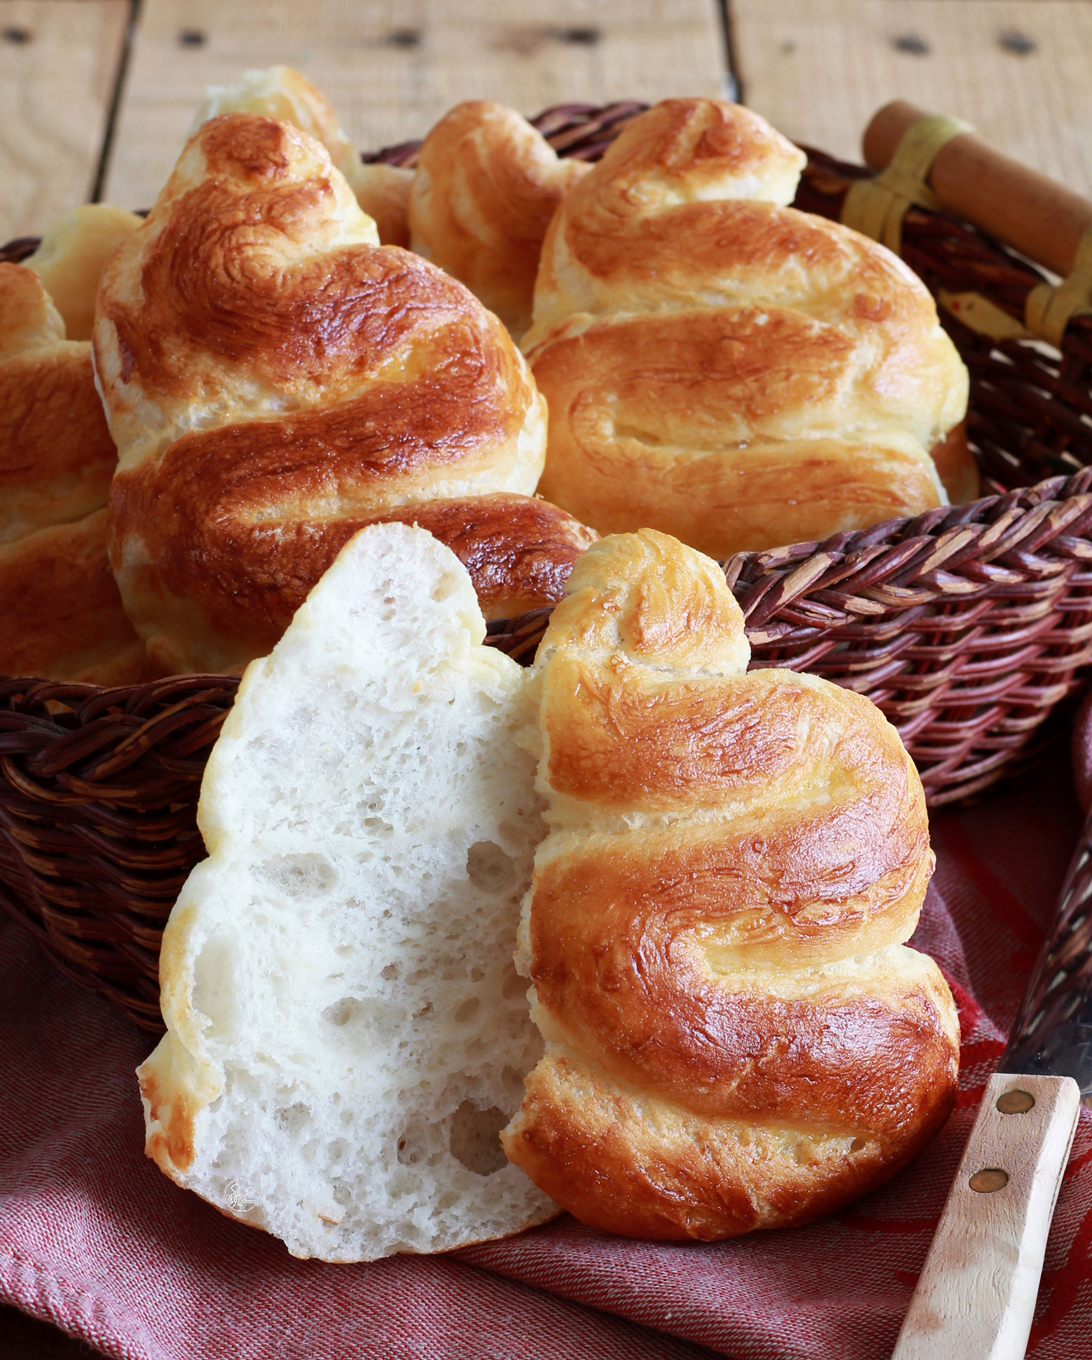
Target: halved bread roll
x,y
346,1033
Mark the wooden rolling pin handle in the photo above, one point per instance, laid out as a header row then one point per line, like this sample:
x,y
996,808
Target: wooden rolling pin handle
x,y
1032,214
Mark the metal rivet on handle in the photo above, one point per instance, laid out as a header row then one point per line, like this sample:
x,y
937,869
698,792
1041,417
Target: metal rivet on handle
x,y
989,1179
1015,1102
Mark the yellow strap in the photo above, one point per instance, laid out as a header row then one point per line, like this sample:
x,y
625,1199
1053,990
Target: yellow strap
x,y
877,206
1050,306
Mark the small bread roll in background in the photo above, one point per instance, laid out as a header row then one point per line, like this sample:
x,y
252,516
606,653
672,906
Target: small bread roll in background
x,y
61,616
486,188
70,258
56,454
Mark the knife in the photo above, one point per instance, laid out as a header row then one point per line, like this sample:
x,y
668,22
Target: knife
x,y
976,1294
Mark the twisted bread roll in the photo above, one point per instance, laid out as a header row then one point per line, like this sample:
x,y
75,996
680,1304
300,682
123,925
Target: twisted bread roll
x,y
56,454
274,382
736,1036
61,616
486,187
723,367
281,93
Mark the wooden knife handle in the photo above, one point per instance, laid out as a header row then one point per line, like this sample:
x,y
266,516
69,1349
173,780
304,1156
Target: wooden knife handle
x,y
977,1291
1042,219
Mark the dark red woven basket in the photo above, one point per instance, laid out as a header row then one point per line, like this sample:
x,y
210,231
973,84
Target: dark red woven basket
x,y
966,625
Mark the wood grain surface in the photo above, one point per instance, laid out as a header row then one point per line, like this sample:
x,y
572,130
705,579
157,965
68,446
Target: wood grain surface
x,y
1021,73
59,62
391,68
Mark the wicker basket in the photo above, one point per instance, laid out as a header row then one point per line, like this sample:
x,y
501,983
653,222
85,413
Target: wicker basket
x,y
966,625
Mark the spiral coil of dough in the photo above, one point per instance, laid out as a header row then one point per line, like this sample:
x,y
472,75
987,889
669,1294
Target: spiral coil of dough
x,y
736,1035
274,381
726,368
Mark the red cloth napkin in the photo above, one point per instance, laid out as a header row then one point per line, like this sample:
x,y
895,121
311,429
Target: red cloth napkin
x,y
94,1239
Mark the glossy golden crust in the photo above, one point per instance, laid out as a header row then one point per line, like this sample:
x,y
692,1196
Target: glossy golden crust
x,y
716,928
56,454
257,521
724,367
275,381
60,612
691,420
519,550
486,187
646,1167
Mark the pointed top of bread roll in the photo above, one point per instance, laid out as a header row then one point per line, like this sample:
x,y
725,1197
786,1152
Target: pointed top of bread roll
x,y
692,150
649,597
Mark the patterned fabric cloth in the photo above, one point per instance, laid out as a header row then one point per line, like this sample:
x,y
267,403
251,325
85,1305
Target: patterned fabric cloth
x,y
94,1239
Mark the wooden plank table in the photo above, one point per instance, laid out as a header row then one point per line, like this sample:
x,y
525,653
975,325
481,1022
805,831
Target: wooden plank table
x,y
96,98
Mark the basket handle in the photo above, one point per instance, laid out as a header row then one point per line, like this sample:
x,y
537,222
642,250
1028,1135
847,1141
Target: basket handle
x,y
1027,211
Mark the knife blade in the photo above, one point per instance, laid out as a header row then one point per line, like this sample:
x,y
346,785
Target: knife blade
x,y
976,1294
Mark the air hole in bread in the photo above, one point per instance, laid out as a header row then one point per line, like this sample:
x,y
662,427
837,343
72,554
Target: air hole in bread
x,y
489,868
514,985
409,1149
467,1011
392,972
299,876
295,1117
475,1138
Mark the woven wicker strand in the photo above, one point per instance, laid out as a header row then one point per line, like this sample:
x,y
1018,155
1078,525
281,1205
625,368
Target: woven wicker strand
x,y
966,625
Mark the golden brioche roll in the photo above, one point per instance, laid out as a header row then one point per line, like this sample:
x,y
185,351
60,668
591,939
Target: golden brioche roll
x,y
486,187
70,258
736,1034
60,612
56,454
283,94
275,381
726,368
